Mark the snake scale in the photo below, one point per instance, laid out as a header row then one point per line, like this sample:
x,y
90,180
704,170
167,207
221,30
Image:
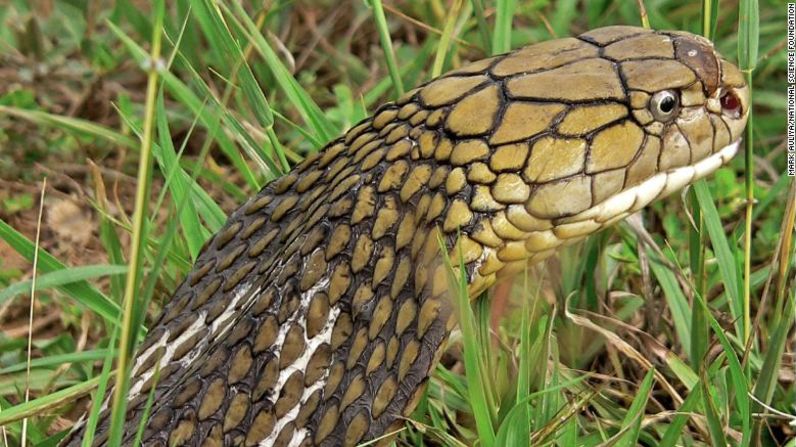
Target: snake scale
x,y
317,313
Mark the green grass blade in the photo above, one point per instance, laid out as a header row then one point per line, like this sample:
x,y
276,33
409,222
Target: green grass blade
x,y
157,265
60,278
748,43
526,367
47,402
672,435
107,233
187,97
413,69
699,331
635,414
737,377
501,35
772,364
131,305
308,109
445,39
206,206
386,44
132,14
535,336
675,300
715,425
80,291
684,373
480,19
212,214
75,125
563,15
192,229
724,257
102,387
57,360
473,363
526,344
139,434
209,17
748,34
515,428
710,15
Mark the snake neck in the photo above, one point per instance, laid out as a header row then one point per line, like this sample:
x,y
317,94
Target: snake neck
x,y
319,311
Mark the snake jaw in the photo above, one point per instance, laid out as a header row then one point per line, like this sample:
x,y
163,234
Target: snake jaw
x,y
658,186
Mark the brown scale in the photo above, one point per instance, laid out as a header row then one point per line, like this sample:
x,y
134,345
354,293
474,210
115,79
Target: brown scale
x,y
502,152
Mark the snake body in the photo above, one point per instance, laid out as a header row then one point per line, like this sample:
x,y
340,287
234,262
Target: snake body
x,y
317,314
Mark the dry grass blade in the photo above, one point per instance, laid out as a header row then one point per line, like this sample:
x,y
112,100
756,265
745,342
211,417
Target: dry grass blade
x,y
626,349
3,431
397,13
32,303
572,411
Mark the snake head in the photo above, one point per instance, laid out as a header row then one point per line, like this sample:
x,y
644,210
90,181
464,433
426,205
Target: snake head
x,y
646,113
557,140
563,138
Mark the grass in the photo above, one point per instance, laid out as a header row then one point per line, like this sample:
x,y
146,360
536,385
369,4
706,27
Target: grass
x,y
673,329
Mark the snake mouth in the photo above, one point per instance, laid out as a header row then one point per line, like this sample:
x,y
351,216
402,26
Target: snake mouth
x,y
658,186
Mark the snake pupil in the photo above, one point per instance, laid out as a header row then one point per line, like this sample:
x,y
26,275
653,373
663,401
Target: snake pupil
x,y
667,105
664,105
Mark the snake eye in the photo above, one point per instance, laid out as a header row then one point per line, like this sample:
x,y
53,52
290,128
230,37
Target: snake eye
x,y
664,105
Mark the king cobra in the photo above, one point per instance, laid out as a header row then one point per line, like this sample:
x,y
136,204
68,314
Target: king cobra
x,y
316,315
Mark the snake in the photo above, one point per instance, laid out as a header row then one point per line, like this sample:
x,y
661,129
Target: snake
x,y
317,314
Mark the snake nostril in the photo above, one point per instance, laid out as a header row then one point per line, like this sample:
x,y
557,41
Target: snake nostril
x,y
731,104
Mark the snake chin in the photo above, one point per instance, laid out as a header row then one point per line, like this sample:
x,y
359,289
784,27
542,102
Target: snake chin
x,y
658,186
